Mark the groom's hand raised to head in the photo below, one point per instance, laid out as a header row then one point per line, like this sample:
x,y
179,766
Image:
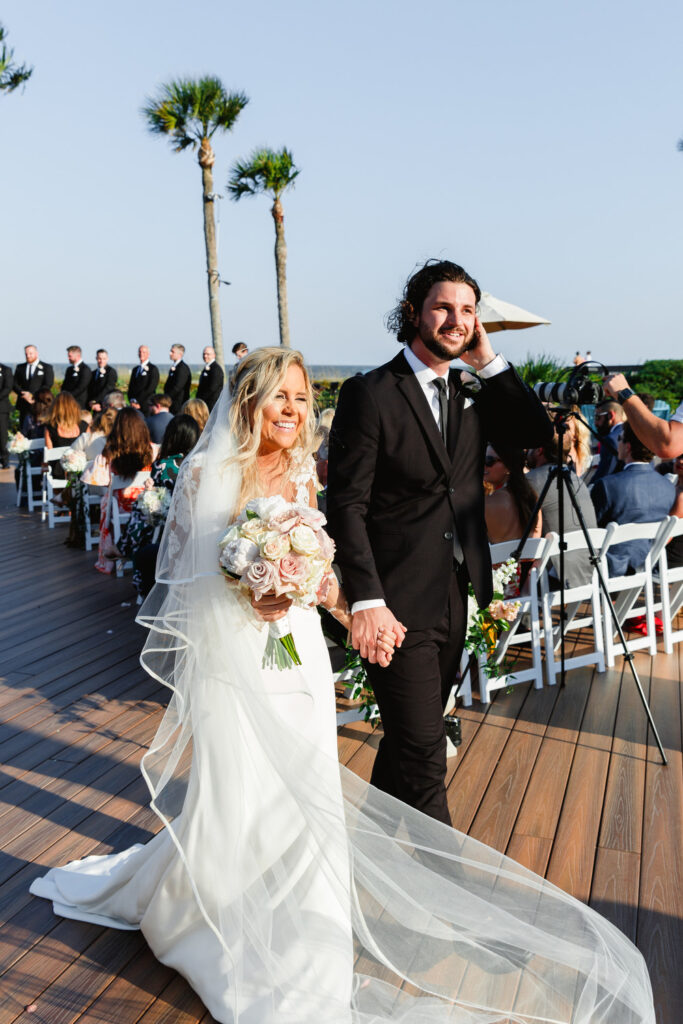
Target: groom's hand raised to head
x,y
365,629
479,352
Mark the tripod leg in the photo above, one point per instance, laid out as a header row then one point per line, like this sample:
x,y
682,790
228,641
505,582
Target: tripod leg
x,y
615,619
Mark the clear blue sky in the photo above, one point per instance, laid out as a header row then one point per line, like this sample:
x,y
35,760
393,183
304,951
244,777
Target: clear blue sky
x,y
534,142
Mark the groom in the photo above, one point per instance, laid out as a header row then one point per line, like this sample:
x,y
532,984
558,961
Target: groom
x,y
405,506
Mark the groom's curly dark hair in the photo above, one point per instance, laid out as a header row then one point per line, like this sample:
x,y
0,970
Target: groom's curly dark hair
x,y
401,319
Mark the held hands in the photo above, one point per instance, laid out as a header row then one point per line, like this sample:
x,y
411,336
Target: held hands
x,y
374,633
481,353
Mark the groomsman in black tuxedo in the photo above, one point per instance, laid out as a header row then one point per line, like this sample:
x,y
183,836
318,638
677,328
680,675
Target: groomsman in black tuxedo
x,y
6,385
179,379
29,378
77,376
210,379
144,381
405,505
103,381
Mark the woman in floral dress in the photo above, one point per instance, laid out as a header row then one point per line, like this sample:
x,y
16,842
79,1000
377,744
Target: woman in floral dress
x,y
181,436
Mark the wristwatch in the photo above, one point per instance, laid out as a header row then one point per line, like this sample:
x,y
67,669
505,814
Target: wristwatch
x,y
624,394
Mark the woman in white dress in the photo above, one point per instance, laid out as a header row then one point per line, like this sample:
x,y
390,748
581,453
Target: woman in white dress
x,y
285,889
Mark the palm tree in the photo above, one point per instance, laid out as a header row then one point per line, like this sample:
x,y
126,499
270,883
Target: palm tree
x,y
190,112
268,171
11,75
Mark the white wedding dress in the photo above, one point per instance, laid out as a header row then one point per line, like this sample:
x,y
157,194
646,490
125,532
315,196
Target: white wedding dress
x,y
285,889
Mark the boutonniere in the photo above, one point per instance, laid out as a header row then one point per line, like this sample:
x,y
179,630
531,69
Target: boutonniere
x,y
39,368
469,384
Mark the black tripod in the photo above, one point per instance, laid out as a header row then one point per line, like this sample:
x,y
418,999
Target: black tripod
x,y
561,474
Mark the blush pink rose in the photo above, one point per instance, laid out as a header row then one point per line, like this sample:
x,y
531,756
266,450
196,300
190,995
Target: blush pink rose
x,y
293,569
285,520
261,577
311,517
327,547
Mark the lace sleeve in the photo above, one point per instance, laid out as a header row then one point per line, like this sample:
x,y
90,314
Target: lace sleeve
x,y
305,480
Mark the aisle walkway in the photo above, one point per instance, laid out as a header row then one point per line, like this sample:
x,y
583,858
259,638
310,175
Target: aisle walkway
x,y
562,780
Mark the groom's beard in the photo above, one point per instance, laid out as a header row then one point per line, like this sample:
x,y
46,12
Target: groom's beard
x,y
438,346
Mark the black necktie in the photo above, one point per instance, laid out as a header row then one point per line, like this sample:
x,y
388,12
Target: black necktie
x,y
442,391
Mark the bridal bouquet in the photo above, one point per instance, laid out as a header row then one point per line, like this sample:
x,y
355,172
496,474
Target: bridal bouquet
x,y
154,503
485,625
73,463
275,547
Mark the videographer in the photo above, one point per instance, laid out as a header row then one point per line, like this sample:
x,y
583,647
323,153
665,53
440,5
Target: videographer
x,y
663,438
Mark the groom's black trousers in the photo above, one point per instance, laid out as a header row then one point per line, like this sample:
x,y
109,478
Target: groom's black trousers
x,y
411,696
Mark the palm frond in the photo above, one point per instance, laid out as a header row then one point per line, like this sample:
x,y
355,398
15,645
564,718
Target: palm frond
x,y
189,110
265,170
11,75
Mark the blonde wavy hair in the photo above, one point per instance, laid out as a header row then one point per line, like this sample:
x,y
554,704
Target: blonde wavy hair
x,y
259,375
198,410
580,442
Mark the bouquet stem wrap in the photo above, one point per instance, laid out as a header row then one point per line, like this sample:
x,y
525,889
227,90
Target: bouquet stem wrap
x,y
280,651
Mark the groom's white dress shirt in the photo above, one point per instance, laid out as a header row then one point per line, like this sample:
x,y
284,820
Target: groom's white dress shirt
x,y
426,376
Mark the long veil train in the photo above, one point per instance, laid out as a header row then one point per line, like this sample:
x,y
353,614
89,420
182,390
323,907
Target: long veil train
x,y
286,889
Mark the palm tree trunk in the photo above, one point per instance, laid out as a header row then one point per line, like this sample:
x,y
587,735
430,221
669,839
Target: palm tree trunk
x,y
206,161
281,272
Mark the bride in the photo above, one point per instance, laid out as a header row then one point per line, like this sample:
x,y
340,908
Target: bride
x,y
284,888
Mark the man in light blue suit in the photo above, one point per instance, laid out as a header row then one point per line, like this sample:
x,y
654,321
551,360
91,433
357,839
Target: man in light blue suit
x,y
636,495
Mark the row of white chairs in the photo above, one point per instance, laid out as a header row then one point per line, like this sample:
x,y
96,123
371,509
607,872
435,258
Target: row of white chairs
x,y
654,590
50,487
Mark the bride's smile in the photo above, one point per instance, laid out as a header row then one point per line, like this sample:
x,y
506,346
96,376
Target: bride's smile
x,y
285,414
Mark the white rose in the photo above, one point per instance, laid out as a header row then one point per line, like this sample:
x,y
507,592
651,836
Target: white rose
x,y
253,529
273,545
266,507
232,534
238,555
304,540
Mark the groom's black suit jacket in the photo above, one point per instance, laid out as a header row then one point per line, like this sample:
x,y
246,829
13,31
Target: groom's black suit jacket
x,y
394,490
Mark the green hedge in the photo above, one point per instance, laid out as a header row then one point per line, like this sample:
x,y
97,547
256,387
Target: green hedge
x,y
662,378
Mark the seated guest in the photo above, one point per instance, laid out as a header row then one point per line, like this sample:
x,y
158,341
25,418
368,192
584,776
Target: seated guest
x,y
77,376
509,504
210,379
103,381
136,542
92,442
198,410
580,442
324,426
33,426
577,567
159,417
636,495
609,417
63,425
128,452
114,400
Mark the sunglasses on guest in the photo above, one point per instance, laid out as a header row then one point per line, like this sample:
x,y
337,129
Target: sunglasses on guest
x,y
491,460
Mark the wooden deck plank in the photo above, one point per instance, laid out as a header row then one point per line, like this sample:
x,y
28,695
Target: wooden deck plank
x,y
660,912
561,779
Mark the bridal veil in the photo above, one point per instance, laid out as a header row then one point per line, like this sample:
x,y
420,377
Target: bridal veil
x,y
327,901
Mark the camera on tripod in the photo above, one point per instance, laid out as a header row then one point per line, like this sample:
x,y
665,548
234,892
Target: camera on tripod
x,y
578,389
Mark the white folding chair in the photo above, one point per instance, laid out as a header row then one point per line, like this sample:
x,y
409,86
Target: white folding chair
x,y
627,589
92,531
575,599
538,549
27,472
671,600
118,519
51,488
